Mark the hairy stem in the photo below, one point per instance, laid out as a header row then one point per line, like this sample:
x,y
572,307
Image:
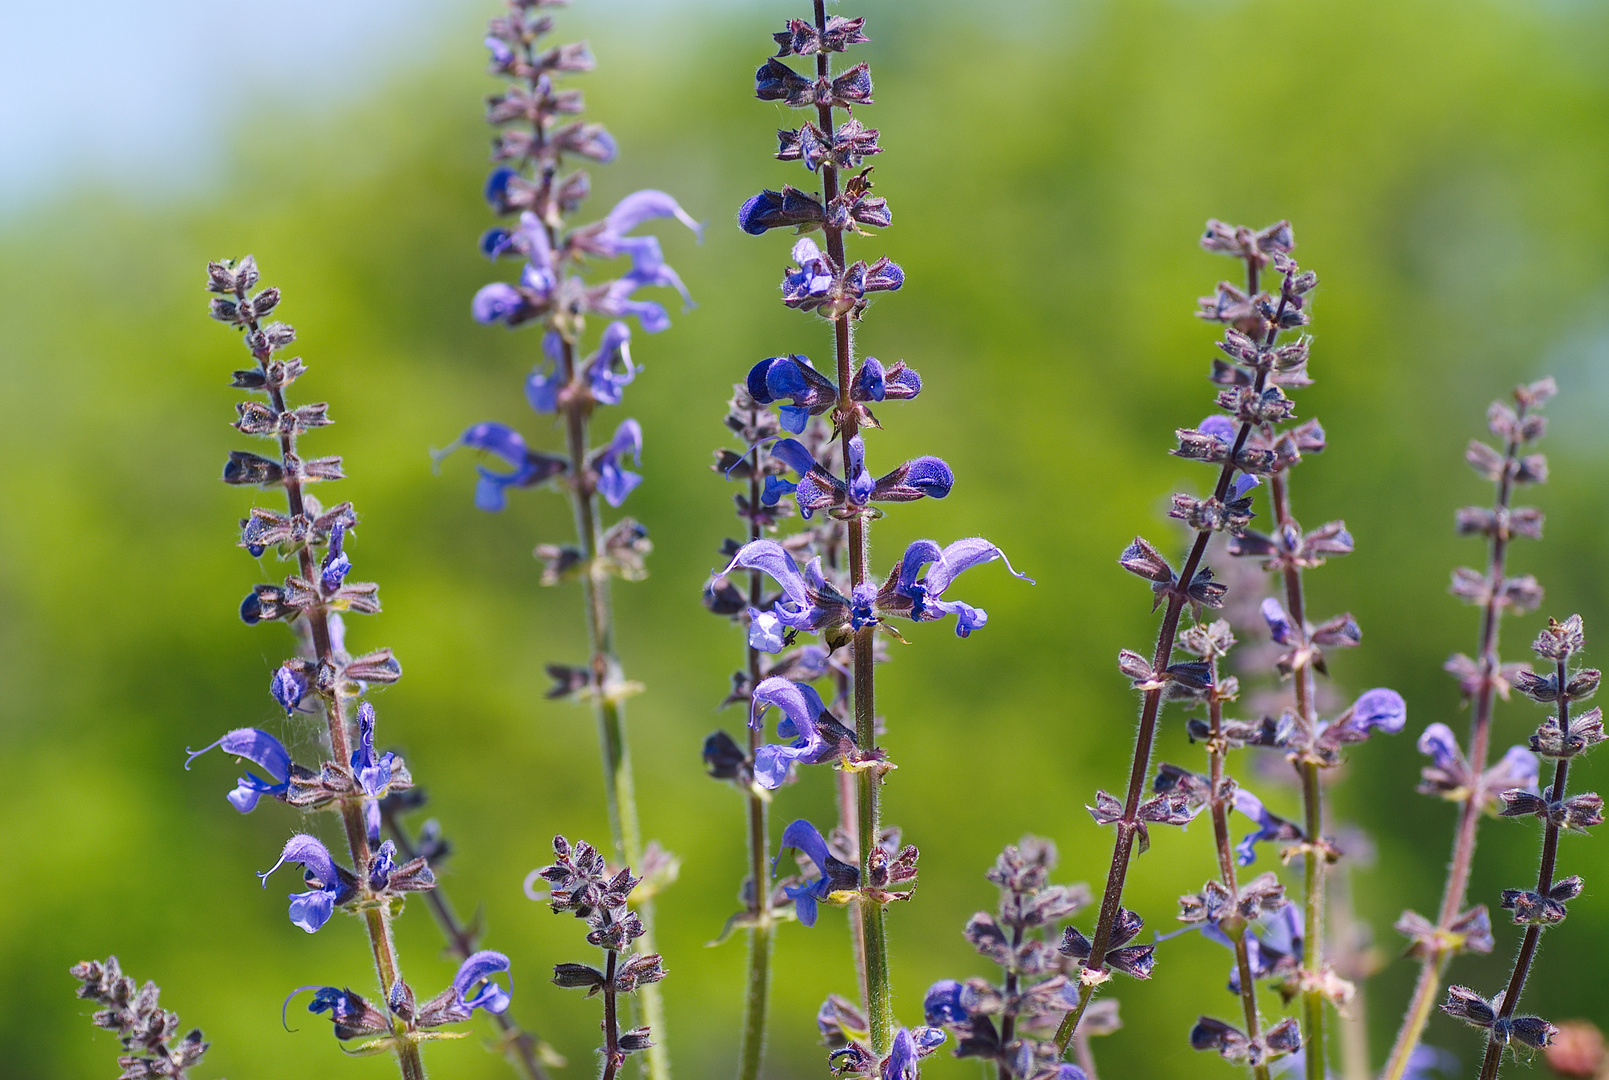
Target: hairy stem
x,y
377,921
1433,966
849,820
519,1045
608,706
1217,749
873,934
612,1055
1127,826
1312,801
1544,882
751,1048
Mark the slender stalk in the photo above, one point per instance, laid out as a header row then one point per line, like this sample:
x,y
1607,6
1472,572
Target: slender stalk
x,y
1433,966
1312,803
377,921
751,1048
1544,882
873,933
519,1045
612,1055
1150,710
849,820
1008,1024
1217,750
608,708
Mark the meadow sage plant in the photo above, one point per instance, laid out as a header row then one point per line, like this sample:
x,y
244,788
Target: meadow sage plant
x,y
326,677
1467,779
535,140
1250,442
837,598
1559,738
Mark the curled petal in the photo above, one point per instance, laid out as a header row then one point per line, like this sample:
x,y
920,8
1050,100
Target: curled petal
x,y
646,205
478,968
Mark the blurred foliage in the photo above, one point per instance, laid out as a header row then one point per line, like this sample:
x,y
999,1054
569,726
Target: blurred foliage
x,y
1446,165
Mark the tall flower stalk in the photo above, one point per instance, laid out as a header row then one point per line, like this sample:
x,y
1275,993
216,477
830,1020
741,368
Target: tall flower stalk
x,y
533,145
1246,445
584,885
869,869
1560,738
1467,780
329,678
1311,744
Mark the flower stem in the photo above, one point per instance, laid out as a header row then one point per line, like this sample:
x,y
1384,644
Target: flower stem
x,y
377,921
1544,883
1434,963
1139,768
751,1048
1312,803
612,1055
873,933
607,682
1217,750
519,1045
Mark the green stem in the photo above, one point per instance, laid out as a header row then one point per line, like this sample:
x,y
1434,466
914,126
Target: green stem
x,y
377,921
608,708
873,933
1433,966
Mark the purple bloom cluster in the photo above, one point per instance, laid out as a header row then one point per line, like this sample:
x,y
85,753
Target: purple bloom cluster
x,y
356,777
812,609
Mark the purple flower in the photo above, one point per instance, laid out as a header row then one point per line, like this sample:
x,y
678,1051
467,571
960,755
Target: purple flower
x,y
803,718
478,969
531,467
260,748
1279,623
1440,744
942,1004
910,1045
809,284
875,383
817,284
373,774
335,567
542,385
833,876
496,302
530,241
328,884
817,489
923,600
1380,709
648,267
614,482
796,378
288,686
1269,827
606,378
1220,426
1269,942
799,608
780,209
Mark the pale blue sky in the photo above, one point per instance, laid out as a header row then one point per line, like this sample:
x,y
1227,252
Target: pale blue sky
x,y
136,90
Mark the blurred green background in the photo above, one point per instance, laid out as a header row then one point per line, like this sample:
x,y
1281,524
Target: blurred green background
x,y
1446,165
